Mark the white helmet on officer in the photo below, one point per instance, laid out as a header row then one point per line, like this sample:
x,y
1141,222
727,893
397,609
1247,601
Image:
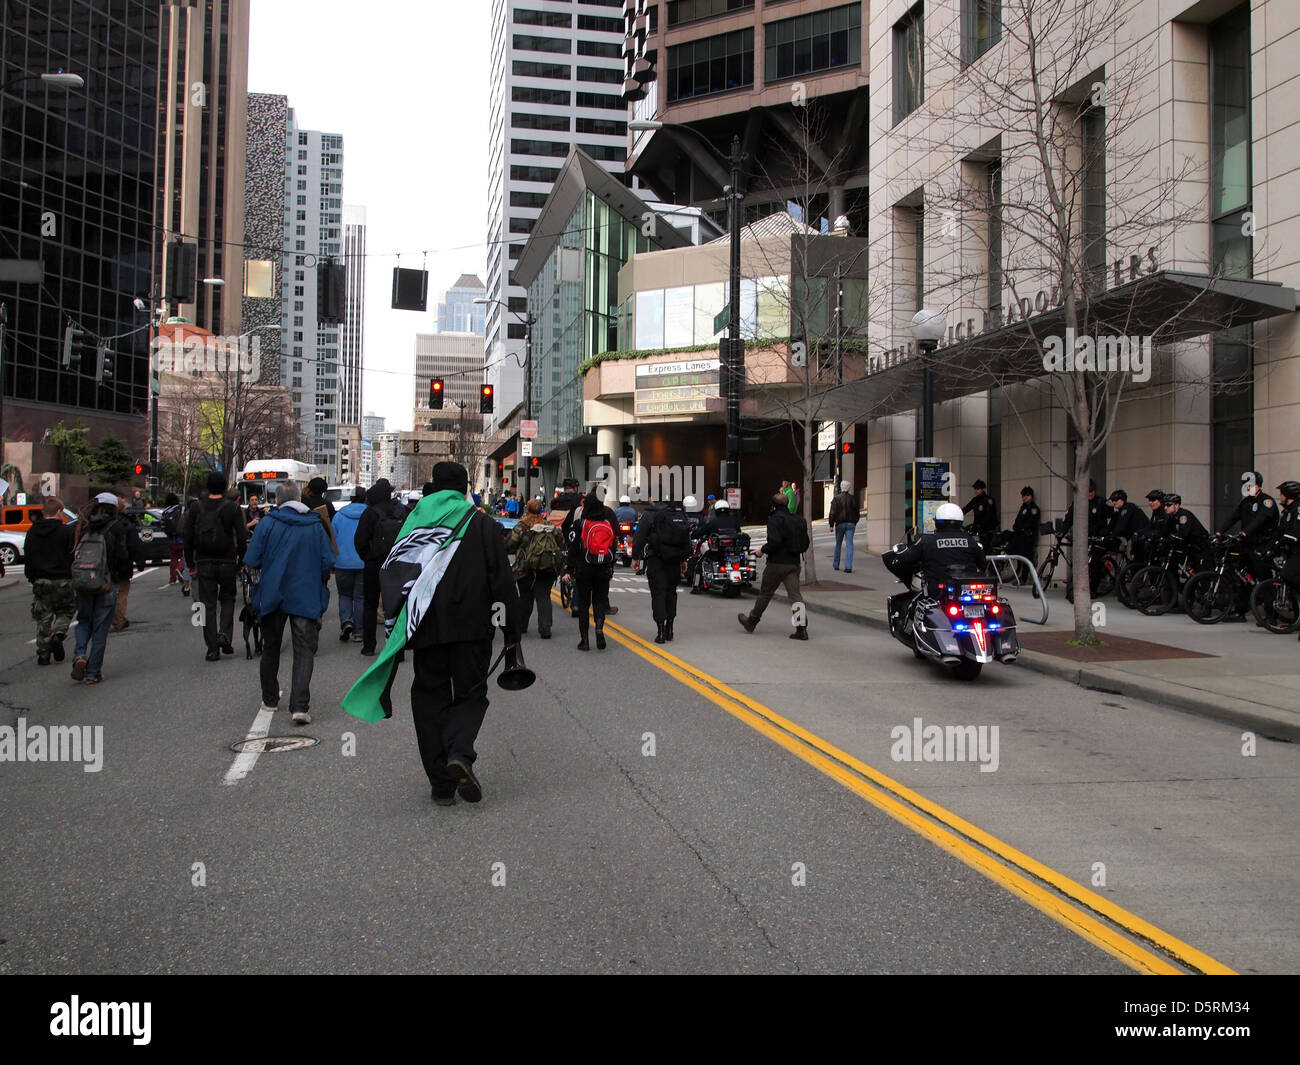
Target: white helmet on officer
x,y
624,501
948,512
690,503
722,504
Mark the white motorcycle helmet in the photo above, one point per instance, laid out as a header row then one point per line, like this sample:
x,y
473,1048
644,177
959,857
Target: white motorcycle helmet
x,y
722,504
690,503
948,512
624,501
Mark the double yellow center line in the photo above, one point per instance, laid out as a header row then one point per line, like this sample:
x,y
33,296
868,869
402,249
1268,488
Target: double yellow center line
x,y
1124,935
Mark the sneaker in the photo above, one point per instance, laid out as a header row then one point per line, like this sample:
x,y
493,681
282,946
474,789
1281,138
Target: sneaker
x,y
42,660
270,709
345,634
56,648
449,799
79,669
847,569
226,648
94,680
185,589
302,718
467,787
213,656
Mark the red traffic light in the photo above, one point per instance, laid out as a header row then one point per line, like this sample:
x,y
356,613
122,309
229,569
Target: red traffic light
x,y
435,393
141,468
485,399
847,448
534,462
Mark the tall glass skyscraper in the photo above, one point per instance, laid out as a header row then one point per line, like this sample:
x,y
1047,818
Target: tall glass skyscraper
x,y
457,311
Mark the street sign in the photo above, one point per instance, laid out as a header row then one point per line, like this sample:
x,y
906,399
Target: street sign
x,y
733,499
720,319
526,449
527,429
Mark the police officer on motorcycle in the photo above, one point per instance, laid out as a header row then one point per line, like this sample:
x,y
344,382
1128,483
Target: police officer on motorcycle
x,y
624,511
936,556
724,521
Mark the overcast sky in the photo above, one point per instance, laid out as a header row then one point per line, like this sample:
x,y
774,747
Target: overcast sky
x,y
406,84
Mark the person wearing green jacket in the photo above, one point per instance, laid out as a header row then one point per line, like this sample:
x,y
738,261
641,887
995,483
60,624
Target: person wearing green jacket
x,y
792,497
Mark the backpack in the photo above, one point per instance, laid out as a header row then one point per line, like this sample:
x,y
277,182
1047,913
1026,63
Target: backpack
x,y
542,551
598,542
671,535
799,542
385,535
171,522
90,568
211,537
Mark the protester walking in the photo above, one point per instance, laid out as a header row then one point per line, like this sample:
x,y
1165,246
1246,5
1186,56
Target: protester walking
x,y
173,515
47,565
539,560
100,562
377,531
349,567
662,544
292,551
591,558
843,519
136,550
787,540
215,538
447,586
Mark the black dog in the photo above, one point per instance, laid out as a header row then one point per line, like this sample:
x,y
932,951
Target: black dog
x,y
248,615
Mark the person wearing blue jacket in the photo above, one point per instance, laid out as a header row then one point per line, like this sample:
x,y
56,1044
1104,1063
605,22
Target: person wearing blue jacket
x,y
350,568
292,551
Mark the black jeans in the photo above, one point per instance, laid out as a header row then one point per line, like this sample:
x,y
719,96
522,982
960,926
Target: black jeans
x,y
305,636
663,578
370,610
216,579
591,593
536,588
448,703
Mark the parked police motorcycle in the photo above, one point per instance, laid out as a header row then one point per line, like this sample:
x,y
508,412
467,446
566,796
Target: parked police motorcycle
x,y
724,562
625,534
959,621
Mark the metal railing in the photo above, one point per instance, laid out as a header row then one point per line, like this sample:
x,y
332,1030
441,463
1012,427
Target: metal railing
x,y
995,572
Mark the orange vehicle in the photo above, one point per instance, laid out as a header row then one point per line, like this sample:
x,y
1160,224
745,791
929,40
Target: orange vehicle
x,y
17,519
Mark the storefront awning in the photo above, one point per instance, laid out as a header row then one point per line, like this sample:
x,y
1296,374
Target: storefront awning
x,y
1168,306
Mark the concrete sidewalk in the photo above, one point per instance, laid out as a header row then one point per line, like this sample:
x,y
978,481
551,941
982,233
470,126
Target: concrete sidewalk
x,y
1234,672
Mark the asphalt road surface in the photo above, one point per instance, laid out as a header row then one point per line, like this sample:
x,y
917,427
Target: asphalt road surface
x,y
637,817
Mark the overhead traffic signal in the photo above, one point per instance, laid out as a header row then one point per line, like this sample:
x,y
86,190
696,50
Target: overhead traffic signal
x,y
485,399
435,393
534,462
846,448
141,469
416,447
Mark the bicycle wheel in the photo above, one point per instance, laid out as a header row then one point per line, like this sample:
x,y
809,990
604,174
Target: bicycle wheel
x,y
1105,579
1152,590
1123,584
1274,605
1045,572
1208,597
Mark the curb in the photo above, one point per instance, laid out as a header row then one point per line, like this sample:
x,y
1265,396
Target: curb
x,y
1098,677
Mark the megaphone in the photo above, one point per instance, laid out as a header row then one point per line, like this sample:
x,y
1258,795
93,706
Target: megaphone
x,y
516,676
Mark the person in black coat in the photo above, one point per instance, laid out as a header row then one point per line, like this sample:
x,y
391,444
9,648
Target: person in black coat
x,y
785,532
47,565
591,579
376,531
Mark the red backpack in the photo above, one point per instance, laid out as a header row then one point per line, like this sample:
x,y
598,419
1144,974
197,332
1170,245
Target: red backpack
x,y
598,542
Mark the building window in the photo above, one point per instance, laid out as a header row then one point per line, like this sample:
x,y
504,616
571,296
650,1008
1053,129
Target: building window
x,y
521,225
558,123
600,49
808,43
1093,131
601,25
601,101
1232,418
543,18
531,147
909,63
525,68
680,11
528,94
993,265
1230,143
529,43
606,153
604,75
981,28
711,64
528,199
603,127
547,174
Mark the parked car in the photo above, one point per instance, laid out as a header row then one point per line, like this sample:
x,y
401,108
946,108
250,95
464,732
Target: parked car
x,y
13,530
153,538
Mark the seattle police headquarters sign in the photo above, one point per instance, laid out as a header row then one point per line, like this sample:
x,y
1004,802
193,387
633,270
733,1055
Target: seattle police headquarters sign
x,y
676,387
1121,272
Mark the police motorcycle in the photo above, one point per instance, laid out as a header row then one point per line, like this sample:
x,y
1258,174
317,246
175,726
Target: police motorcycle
x,y
960,621
624,536
723,561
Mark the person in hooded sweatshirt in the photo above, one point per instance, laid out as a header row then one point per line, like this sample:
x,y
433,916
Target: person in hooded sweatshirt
x,y
293,552
376,533
95,608
349,567
47,564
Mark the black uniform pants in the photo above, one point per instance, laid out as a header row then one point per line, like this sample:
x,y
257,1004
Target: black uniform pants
x,y
448,703
370,614
663,577
591,593
216,579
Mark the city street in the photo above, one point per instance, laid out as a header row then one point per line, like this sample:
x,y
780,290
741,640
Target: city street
x,y
723,803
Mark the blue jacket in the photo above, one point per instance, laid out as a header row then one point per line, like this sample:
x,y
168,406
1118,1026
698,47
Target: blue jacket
x,y
345,531
294,554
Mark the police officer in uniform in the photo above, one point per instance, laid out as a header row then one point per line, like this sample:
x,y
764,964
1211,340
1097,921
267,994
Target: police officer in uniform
x,y
983,509
1024,530
1288,530
1128,520
1185,524
724,520
1098,513
934,555
1147,539
1258,514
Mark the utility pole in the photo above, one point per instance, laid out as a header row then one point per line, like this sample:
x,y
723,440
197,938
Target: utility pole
x,y
735,362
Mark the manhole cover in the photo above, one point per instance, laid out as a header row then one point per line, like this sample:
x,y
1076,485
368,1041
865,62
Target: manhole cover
x,y
274,744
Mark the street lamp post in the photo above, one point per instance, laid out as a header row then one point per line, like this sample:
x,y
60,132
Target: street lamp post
x,y
927,327
733,361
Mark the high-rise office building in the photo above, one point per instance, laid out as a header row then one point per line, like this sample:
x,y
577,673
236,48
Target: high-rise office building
x,y
371,426
201,138
557,77
352,339
457,311
76,202
456,358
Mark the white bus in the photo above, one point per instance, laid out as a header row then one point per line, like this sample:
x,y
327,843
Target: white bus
x,y
260,477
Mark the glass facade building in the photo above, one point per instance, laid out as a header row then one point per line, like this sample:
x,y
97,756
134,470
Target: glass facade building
x,y
77,180
457,311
